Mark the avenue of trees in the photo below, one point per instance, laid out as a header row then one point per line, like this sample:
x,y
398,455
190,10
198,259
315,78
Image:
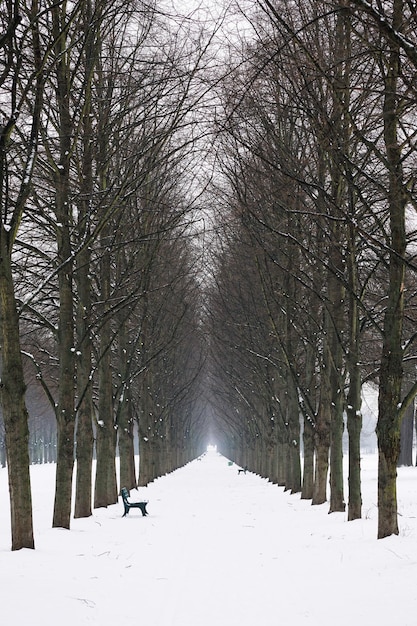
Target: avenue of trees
x,y
121,325
314,269
98,275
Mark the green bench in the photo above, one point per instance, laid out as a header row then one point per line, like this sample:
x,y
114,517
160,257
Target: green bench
x,y
132,505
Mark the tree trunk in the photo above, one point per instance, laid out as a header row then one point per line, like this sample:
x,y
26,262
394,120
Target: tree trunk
x,y
354,417
406,437
308,464
293,409
12,394
64,472
308,432
124,418
65,407
126,444
294,439
391,370
146,434
84,456
354,398
335,334
337,501
105,491
16,78
281,458
340,123
106,481
146,461
85,435
322,432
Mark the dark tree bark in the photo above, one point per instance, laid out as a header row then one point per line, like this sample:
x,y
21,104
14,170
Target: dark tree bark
x,y
406,437
125,418
308,432
354,400
105,491
391,369
12,395
12,386
65,410
84,427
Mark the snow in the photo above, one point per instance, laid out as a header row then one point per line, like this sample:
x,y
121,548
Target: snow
x,y
219,548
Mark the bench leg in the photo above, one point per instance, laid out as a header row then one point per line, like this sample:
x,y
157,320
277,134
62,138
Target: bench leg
x,y
143,509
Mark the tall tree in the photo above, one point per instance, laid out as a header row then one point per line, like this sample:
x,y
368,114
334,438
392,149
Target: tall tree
x,y
84,408
391,370
22,84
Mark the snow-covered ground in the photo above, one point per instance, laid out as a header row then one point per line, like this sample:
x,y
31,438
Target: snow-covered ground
x,y
217,548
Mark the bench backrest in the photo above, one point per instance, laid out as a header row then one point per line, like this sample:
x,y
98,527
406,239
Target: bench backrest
x,y
124,493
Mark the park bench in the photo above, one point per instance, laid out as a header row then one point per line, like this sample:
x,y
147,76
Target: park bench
x,y
242,469
132,505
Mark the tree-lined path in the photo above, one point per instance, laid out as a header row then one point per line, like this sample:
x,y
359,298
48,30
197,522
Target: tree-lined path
x,y
207,234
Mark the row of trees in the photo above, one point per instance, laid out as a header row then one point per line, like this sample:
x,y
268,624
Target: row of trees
x,y
104,110
98,275
315,274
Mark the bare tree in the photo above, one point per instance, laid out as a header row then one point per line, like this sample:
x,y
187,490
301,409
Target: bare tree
x,y
22,82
